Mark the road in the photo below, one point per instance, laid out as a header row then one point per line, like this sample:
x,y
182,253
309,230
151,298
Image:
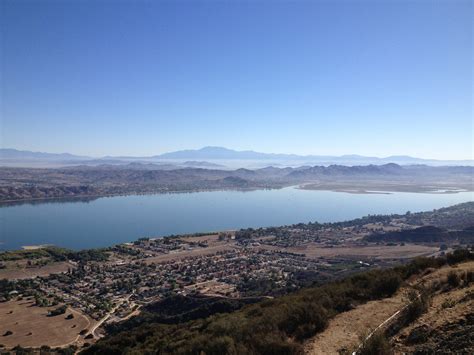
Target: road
x,y
107,316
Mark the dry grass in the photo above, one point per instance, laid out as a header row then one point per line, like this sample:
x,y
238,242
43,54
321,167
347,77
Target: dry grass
x,y
190,253
345,329
14,272
406,251
211,238
32,327
446,307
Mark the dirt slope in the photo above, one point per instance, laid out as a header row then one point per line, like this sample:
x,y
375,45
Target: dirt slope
x,y
344,330
447,326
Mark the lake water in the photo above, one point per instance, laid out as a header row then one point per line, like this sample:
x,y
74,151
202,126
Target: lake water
x,y
112,220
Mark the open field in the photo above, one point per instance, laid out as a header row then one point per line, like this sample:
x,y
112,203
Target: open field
x,y
13,272
211,238
175,256
31,327
379,252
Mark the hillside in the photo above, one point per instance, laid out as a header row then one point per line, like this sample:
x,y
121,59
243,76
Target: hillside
x,y
276,326
450,310
18,184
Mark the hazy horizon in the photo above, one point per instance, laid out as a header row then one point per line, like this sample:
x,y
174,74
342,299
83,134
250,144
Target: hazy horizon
x,y
98,78
234,150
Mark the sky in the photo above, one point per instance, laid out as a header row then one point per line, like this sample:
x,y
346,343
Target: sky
x,y
140,78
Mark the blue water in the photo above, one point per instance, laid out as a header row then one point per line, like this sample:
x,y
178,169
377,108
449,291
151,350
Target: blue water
x,y
113,220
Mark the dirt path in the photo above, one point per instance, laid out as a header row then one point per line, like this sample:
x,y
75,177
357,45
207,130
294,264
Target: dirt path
x,y
108,315
345,329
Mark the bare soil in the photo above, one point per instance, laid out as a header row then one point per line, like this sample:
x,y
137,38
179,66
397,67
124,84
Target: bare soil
x,y
448,313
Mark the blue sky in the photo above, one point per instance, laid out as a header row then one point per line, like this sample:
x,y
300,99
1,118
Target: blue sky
x,y
309,77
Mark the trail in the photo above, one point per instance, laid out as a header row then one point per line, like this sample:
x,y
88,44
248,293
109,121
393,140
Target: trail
x,y
344,330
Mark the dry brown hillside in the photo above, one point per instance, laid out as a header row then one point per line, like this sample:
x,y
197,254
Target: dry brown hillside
x,y
446,326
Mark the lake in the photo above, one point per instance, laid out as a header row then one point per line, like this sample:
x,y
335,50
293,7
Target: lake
x,y
112,220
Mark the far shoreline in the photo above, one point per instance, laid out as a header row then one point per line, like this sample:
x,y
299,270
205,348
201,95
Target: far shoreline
x,y
384,190
308,186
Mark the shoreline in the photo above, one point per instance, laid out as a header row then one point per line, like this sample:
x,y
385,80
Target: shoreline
x,y
40,246
7,203
388,190
308,187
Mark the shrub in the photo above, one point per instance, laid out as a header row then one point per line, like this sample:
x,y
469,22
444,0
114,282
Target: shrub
x,y
220,345
453,279
448,303
418,335
459,255
419,302
388,285
377,344
57,311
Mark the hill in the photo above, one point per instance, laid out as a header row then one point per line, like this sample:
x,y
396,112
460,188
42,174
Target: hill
x,y
442,325
212,153
21,184
274,326
14,154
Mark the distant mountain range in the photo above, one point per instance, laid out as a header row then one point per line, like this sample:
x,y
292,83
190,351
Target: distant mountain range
x,y
207,157
136,177
7,153
214,153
